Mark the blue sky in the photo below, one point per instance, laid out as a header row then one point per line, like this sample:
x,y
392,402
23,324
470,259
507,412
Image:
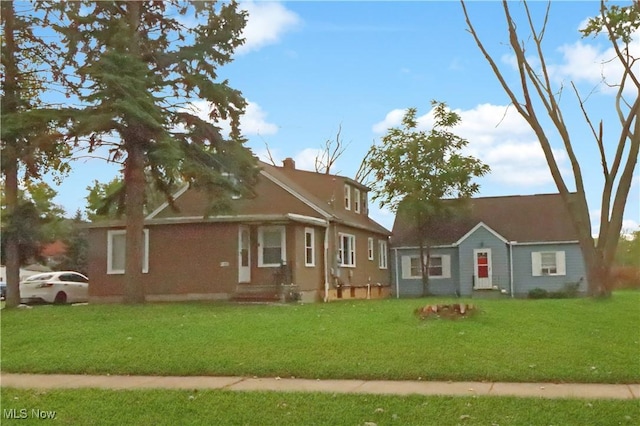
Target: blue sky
x,y
309,67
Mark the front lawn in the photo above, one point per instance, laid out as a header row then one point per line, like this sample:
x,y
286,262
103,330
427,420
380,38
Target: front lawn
x,y
164,407
571,340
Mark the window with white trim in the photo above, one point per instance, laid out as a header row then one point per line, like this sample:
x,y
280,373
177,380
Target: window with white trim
x,y
370,248
548,263
439,267
347,197
271,246
356,200
347,250
365,203
309,247
116,258
382,254
435,266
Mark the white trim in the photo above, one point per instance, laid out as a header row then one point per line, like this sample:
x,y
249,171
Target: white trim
x,y
560,263
295,194
370,252
488,283
244,272
418,247
166,203
539,243
356,200
312,232
145,254
283,245
383,256
347,197
405,261
475,228
341,249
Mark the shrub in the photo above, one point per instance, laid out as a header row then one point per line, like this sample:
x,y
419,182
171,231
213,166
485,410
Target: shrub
x,y
538,293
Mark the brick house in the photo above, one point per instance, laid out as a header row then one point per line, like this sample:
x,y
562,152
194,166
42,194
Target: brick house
x,y
304,234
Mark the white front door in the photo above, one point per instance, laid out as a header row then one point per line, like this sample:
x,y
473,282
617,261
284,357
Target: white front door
x,y
482,268
244,255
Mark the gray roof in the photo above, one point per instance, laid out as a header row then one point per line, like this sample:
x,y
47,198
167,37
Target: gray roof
x,y
521,218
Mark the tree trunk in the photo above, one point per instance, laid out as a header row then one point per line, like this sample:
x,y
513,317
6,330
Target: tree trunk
x,y
10,157
134,198
12,249
134,291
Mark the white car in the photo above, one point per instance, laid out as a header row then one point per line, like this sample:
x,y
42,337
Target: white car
x,y
55,287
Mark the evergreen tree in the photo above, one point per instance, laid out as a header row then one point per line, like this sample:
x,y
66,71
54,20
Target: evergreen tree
x,y
139,64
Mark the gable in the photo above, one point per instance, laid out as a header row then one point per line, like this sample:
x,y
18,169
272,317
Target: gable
x,y
270,199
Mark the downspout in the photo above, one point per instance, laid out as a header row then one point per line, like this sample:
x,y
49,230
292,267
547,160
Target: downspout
x,y
511,243
397,275
326,263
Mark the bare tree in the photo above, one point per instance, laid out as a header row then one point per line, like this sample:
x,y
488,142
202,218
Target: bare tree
x,y
538,97
331,152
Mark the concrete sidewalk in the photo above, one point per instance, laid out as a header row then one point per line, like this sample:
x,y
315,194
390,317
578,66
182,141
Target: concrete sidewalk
x,y
541,390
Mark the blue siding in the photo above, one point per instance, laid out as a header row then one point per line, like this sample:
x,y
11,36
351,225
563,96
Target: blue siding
x,y
482,238
462,267
524,281
412,287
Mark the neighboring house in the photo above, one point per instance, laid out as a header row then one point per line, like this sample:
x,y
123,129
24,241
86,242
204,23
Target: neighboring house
x,y
304,233
508,244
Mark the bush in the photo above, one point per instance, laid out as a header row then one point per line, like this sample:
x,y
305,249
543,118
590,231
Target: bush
x,y
538,293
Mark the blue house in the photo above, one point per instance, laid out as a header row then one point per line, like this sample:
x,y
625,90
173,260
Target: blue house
x,y
509,245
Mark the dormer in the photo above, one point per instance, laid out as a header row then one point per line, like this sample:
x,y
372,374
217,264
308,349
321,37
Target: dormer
x,y
355,198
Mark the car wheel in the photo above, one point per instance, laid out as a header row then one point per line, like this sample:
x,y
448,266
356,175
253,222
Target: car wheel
x,y
61,298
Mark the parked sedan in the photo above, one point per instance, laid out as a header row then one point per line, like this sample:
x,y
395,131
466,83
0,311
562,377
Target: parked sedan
x,y
55,287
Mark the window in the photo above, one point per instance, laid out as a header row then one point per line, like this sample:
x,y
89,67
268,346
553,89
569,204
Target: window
x,y
356,200
382,254
272,246
439,267
347,250
309,244
370,248
411,267
365,201
116,243
548,263
347,197
435,266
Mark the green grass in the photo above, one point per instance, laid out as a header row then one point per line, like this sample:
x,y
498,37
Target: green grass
x,y
162,407
571,340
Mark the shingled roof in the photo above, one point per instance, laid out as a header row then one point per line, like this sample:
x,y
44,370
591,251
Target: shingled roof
x,y
325,191
521,218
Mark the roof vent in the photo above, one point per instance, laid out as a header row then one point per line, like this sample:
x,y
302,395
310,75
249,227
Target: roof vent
x,y
289,164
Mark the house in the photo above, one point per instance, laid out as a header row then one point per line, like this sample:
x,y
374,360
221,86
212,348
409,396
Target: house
x,y
304,234
509,245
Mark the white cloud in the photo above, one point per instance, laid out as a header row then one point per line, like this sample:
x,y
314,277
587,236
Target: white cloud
x,y
500,137
585,62
266,23
253,121
306,159
392,119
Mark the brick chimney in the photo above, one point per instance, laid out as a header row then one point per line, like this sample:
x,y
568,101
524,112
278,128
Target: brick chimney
x,y
289,164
